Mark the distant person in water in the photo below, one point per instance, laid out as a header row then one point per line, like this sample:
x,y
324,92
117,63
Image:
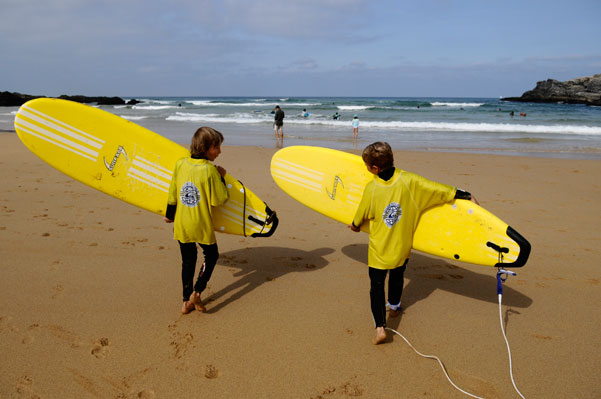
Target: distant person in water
x,y
355,127
278,125
278,122
336,116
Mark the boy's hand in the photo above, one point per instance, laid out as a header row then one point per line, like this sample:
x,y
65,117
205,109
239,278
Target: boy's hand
x,y
474,200
354,228
167,220
221,171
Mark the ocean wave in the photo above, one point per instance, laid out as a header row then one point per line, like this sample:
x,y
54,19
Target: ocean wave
x,y
216,118
153,107
155,101
454,104
355,107
133,117
261,103
459,127
320,120
486,127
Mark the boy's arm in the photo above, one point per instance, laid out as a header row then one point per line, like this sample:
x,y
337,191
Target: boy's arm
x,y
170,213
218,188
171,199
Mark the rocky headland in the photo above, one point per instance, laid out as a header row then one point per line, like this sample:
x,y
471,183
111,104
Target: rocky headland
x,y
586,90
9,99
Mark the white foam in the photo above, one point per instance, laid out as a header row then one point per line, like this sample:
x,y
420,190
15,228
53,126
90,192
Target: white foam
x,y
453,104
133,118
355,107
153,107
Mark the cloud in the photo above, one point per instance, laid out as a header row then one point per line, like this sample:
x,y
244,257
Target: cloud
x,y
309,19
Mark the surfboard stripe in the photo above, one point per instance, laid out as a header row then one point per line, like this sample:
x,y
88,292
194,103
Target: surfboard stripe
x,y
236,219
300,169
61,127
24,129
148,179
150,168
168,172
55,138
316,188
238,206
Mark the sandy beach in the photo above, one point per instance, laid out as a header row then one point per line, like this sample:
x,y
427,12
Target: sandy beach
x,y
90,298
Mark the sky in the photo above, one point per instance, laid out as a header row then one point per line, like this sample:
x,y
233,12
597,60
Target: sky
x,y
392,48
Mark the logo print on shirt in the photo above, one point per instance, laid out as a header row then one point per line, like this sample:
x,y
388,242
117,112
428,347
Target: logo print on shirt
x,y
392,214
189,194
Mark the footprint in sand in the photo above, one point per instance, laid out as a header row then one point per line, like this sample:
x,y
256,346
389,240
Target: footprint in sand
x,y
146,394
211,372
180,343
29,334
58,289
100,348
25,387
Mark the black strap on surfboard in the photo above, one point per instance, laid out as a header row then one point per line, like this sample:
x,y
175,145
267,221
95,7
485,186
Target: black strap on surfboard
x,y
271,219
524,245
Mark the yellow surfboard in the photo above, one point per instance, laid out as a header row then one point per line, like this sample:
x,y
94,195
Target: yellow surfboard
x,y
126,161
332,182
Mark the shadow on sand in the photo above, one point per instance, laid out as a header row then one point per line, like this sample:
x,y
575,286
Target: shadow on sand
x,y
256,266
426,274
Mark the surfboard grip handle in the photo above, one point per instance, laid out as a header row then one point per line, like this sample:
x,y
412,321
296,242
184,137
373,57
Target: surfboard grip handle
x,y
524,245
271,219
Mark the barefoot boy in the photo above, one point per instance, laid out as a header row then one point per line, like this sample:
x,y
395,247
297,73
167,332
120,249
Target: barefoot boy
x,y
392,203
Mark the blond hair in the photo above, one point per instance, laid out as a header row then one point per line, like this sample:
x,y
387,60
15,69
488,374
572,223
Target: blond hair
x,y
204,138
378,154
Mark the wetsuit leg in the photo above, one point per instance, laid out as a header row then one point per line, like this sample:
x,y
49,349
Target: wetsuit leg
x,y
211,254
396,280
377,278
189,255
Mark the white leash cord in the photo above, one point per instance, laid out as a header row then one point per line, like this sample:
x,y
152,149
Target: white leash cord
x,y
438,360
508,349
500,280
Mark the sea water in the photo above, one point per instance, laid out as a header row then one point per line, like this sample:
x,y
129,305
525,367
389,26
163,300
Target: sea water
x,y
476,125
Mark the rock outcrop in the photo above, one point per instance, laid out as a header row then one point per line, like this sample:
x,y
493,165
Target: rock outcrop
x,y
586,90
8,99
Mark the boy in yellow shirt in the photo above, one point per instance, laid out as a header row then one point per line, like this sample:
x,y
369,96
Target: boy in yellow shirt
x,y
392,203
196,187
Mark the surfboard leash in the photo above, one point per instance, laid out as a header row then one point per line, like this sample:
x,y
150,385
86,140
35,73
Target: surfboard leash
x,y
502,276
243,209
439,362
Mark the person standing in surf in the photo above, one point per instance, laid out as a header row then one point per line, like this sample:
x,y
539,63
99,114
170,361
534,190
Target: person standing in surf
x,y
355,123
278,124
392,203
197,186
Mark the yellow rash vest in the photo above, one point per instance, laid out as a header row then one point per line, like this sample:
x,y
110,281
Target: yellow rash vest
x,y
196,187
392,208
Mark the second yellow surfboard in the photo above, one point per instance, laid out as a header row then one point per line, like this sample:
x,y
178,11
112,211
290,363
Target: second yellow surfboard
x,y
332,182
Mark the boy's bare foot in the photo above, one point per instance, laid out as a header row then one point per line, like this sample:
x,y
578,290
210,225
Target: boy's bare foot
x,y
197,302
187,307
380,336
394,313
